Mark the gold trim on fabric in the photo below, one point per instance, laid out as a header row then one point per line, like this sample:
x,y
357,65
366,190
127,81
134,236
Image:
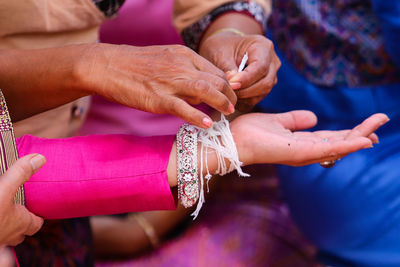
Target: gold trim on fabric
x,y
8,148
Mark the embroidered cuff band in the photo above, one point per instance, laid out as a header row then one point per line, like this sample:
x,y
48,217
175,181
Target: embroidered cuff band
x,y
192,35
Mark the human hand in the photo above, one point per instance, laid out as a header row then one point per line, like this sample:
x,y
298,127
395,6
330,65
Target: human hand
x,y
275,138
226,50
158,79
15,220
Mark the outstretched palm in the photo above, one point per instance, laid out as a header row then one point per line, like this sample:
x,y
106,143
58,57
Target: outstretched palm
x,y
276,138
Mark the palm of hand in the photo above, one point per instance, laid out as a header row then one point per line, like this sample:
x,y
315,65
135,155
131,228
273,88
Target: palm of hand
x,y
274,138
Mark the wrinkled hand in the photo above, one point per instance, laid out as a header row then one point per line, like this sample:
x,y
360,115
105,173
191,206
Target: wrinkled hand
x,y
158,79
226,51
275,138
16,221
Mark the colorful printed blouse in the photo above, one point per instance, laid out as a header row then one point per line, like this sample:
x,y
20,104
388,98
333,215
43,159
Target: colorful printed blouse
x,y
333,42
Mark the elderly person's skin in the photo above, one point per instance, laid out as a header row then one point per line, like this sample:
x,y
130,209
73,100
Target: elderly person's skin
x,y
157,79
16,221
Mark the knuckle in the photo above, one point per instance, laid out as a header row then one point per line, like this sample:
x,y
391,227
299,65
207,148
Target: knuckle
x,y
268,84
279,63
175,108
181,49
269,43
223,103
221,85
220,73
201,86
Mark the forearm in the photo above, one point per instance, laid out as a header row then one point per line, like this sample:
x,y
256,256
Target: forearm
x,y
34,81
96,175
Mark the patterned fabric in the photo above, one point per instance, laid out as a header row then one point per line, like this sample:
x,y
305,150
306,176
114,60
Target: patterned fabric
x,y
65,243
8,150
109,7
333,42
192,35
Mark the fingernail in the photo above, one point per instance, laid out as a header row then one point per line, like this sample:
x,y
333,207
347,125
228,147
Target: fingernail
x,y
207,122
369,146
37,161
235,85
231,108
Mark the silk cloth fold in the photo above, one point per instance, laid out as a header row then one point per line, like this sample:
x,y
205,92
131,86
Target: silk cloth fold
x,y
93,175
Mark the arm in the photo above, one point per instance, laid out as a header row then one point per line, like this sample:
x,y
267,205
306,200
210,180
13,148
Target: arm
x,y
117,173
95,175
158,79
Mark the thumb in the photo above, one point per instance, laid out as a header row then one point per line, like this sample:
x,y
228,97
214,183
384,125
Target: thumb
x,y
297,119
228,65
21,171
32,222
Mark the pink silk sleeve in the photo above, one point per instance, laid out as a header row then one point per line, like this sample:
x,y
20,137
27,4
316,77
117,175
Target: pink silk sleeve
x,y
94,175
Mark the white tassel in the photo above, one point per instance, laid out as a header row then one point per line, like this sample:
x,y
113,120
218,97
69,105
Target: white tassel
x,y
220,140
224,149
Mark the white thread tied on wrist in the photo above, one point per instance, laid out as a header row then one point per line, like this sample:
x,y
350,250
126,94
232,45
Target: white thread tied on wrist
x,y
219,139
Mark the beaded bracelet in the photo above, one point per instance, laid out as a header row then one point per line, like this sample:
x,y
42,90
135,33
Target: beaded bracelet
x,y
188,183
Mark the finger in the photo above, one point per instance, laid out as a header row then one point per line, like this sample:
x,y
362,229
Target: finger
x,y
227,64
336,158
317,151
261,55
260,87
368,126
29,223
21,171
204,65
324,134
254,72
297,119
215,93
343,135
35,225
374,138
180,108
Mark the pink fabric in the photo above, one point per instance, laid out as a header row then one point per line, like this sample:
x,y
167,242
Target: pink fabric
x,y
96,175
141,23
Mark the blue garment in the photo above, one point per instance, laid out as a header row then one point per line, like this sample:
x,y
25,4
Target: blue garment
x,y
351,211
388,13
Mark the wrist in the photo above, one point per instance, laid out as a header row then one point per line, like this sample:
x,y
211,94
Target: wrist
x,y
233,24
86,68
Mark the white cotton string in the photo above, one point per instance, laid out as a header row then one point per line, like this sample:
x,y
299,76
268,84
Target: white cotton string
x,y
224,149
220,140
